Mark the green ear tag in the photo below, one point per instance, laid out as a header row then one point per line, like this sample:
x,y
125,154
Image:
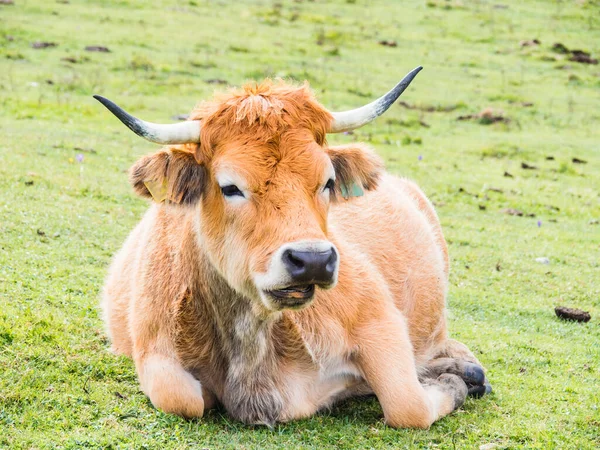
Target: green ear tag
x,y
355,191
157,189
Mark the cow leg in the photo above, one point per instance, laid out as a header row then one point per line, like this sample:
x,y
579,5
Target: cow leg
x,y
170,387
456,358
385,356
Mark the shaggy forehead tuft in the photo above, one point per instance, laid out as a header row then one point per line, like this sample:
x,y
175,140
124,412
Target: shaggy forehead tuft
x,y
262,112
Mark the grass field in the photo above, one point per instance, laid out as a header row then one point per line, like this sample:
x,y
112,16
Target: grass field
x,y
63,217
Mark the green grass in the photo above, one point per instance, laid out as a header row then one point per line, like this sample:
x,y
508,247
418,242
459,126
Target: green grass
x,y
61,221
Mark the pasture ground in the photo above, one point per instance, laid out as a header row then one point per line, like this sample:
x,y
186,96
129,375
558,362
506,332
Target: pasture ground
x,y
61,220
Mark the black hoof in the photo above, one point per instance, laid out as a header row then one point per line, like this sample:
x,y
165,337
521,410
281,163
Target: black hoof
x,y
478,391
488,387
474,374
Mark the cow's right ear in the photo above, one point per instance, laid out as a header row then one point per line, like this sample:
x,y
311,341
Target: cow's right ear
x,y
171,175
357,168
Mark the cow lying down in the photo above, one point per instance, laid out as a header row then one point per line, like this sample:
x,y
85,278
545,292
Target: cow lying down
x,y
276,275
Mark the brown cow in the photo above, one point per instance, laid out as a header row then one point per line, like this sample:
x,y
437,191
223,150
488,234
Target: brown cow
x,y
263,279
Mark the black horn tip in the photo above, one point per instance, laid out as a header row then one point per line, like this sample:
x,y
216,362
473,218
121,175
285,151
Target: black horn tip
x,y
106,102
388,99
412,74
131,122
111,106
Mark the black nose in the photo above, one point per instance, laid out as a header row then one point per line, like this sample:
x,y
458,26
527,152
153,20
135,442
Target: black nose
x,y
310,267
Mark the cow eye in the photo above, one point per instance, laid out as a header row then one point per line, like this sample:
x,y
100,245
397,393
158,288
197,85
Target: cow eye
x,y
329,185
231,191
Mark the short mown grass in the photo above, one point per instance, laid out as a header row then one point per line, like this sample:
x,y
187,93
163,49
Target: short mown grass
x,y
61,220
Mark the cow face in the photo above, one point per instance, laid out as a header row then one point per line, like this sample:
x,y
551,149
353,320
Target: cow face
x,y
265,219
261,208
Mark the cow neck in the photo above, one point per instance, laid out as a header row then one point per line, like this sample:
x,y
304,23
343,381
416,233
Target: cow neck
x,y
242,333
247,349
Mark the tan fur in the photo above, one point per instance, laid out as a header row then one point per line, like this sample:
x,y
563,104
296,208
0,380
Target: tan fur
x,y
180,298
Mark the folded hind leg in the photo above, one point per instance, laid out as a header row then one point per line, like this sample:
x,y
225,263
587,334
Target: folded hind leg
x,y
455,349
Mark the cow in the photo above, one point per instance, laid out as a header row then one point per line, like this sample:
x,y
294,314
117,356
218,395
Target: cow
x,y
275,275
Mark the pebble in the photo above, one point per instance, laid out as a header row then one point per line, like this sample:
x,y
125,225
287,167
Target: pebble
x,y
489,446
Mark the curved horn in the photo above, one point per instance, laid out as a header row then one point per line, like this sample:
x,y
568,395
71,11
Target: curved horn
x,y
176,133
356,118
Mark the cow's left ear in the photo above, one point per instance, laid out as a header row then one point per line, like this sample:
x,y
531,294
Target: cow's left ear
x,y
357,168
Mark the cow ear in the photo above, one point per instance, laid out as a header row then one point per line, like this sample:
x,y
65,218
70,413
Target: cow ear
x,y
357,168
171,175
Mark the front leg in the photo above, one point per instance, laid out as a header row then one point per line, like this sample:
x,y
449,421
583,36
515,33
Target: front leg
x,y
170,387
385,356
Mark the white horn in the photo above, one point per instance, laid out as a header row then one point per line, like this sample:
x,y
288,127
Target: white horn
x,y
356,118
177,133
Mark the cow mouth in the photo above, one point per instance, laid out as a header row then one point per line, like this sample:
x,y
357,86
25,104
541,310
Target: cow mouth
x,y
293,295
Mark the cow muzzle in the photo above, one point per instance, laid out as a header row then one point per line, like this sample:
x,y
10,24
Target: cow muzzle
x,y
311,266
295,271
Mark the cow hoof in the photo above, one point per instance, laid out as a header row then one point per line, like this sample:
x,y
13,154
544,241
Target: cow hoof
x,y
478,391
473,374
488,387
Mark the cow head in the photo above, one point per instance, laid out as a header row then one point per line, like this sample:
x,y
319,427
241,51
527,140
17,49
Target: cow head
x,y
255,169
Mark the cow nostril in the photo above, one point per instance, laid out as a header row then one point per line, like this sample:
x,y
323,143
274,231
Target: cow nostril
x,y
331,262
288,256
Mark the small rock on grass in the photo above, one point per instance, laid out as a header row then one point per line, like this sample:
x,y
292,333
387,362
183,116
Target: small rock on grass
x,y
489,446
513,212
486,117
216,81
517,212
85,150
560,48
530,42
97,48
542,260
526,166
39,44
579,56
387,43
582,57
572,314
